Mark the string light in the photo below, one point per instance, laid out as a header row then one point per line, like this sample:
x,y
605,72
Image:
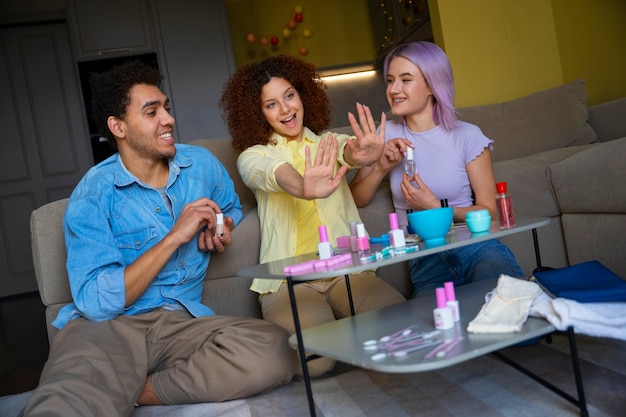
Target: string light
x,y
290,26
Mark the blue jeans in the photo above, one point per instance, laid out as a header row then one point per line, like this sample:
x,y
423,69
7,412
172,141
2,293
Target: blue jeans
x,y
482,260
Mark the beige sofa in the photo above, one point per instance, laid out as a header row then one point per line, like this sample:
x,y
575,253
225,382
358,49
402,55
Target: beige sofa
x,y
561,160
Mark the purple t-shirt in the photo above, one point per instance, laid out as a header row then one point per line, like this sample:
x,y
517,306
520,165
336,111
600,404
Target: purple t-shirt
x,y
440,158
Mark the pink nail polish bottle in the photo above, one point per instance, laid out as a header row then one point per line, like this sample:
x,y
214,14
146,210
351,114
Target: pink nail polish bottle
x,y
324,248
396,235
362,241
442,314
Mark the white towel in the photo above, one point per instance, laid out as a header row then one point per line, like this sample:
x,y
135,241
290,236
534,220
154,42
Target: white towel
x,y
592,319
508,307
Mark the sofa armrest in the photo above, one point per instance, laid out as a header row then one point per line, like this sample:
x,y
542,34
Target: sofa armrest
x,y
49,255
608,120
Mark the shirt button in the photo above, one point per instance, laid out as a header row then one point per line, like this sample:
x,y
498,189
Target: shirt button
x,y
158,209
181,264
137,243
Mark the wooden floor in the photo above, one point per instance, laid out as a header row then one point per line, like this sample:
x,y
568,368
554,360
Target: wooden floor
x,y
23,342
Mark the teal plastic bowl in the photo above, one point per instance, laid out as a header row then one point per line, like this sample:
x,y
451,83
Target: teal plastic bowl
x,y
478,221
431,225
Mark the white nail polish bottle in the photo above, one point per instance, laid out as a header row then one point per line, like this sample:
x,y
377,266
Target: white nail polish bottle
x,y
219,224
451,300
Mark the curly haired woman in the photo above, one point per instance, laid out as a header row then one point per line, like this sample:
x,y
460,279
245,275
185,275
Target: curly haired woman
x,y
298,178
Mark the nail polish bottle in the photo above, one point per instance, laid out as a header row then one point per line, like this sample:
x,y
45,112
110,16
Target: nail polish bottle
x,y
324,248
409,163
362,241
505,206
451,300
442,314
353,237
219,224
396,235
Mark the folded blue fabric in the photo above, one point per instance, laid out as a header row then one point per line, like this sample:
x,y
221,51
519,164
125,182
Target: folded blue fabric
x,y
588,282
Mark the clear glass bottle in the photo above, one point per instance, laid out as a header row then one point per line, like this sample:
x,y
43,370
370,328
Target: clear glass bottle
x,y
409,163
505,206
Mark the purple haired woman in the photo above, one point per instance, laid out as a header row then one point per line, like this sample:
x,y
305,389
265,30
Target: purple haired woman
x,y
452,162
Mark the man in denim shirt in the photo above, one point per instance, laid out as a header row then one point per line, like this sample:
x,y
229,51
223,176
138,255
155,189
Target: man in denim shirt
x,y
140,227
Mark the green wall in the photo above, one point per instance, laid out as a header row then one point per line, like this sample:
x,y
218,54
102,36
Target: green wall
x,y
503,49
341,31
592,44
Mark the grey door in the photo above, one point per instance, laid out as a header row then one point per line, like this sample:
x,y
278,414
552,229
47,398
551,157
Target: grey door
x,y
45,147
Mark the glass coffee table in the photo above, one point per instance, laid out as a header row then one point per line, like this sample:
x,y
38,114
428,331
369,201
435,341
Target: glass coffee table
x,y
351,340
349,347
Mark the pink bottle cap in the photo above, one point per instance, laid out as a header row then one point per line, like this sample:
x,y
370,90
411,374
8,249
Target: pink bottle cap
x,y
323,233
441,297
449,287
393,221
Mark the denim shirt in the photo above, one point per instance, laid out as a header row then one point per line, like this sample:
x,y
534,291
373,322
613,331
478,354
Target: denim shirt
x,y
113,218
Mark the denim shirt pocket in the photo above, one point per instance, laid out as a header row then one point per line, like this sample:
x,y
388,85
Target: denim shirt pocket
x,y
136,239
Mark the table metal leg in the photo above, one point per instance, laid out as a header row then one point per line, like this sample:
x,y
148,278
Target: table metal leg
x,y
301,353
581,402
347,278
303,358
537,254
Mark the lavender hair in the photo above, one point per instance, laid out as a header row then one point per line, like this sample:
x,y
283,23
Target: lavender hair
x,y
437,71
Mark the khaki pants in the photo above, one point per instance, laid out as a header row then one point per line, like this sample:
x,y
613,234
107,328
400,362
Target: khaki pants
x,y
323,301
100,368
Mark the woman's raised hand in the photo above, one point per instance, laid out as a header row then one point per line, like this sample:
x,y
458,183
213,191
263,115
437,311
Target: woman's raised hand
x,y
320,179
368,146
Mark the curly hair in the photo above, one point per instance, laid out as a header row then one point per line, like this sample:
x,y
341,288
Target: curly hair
x,y
111,92
241,99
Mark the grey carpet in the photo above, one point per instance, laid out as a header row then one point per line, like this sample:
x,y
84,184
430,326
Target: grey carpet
x,y
484,387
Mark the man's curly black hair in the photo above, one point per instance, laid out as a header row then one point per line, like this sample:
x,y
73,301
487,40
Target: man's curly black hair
x,y
110,92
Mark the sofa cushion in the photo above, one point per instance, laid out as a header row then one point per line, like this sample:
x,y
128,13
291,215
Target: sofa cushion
x,y
528,183
590,236
589,181
549,119
223,150
607,119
